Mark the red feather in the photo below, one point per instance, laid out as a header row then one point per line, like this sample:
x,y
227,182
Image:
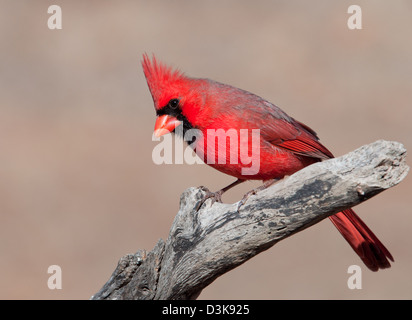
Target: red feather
x,y
362,240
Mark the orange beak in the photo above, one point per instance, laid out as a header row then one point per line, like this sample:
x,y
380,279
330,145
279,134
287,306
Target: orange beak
x,y
165,124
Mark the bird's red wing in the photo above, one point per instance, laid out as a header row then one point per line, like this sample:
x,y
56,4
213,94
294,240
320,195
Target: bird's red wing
x,y
306,147
295,137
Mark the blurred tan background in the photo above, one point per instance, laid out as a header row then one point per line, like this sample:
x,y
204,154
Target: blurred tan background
x,y
78,187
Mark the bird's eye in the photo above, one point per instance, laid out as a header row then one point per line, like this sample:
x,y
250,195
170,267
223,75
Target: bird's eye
x,y
174,103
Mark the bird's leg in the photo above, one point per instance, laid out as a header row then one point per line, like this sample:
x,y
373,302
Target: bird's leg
x,y
230,186
266,184
217,196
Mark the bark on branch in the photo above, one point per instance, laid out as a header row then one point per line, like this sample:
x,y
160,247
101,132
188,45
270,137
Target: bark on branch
x,y
206,243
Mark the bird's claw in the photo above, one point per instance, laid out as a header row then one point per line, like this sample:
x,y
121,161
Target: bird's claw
x,y
216,196
266,184
245,197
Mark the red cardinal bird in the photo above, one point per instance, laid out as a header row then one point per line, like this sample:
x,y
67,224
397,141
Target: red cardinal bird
x,y
286,145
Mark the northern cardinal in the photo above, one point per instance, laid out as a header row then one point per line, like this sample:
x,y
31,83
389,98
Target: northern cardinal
x,y
286,145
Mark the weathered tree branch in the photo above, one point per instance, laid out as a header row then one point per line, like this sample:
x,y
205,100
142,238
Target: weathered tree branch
x,y
204,244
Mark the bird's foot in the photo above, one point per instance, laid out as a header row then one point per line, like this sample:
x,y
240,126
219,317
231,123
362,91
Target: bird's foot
x,y
265,185
216,196
246,196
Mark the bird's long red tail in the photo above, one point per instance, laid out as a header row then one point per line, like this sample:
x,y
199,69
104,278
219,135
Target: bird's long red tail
x,y
368,247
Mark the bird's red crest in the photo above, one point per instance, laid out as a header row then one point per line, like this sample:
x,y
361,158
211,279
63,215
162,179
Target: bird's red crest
x,y
163,81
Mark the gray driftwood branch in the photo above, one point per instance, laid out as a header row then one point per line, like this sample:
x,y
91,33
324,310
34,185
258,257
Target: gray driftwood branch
x,y
206,243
